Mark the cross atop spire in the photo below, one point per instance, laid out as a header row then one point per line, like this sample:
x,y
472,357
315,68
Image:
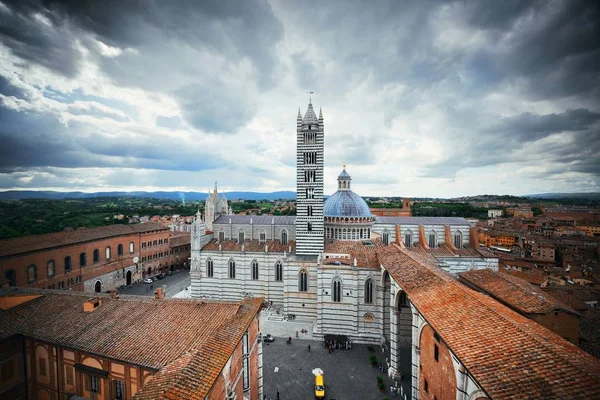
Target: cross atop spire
x,y
310,93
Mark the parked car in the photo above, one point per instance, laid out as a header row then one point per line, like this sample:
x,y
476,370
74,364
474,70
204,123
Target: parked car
x,y
268,338
169,272
154,278
148,280
160,276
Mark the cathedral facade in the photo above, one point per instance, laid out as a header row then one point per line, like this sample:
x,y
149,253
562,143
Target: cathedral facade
x,y
321,265
215,205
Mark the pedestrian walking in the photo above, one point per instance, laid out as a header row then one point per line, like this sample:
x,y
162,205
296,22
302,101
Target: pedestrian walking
x,y
309,348
277,394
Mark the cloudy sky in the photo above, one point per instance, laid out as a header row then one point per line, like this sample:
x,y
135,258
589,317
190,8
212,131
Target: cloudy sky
x,y
419,98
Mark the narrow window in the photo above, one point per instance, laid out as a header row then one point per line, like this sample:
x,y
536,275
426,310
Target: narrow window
x,y
436,352
458,239
254,269
51,266
107,252
432,239
231,269
408,239
32,273
166,241
426,386
337,291
278,271
82,259
246,361
221,237
303,281
284,237
386,238
11,276
68,265
309,226
263,237
209,268
131,247
241,236
119,390
369,291
120,250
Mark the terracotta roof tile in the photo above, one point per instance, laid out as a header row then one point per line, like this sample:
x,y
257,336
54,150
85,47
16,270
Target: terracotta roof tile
x,y
365,254
508,355
515,292
181,240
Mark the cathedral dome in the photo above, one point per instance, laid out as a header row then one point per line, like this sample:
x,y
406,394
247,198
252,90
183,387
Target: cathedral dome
x,y
346,203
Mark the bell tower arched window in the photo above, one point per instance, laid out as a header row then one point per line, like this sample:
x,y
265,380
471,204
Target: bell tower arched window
x,y
408,240
432,242
386,237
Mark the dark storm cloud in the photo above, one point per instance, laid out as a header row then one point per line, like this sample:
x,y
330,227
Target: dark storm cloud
x,y
40,141
165,36
528,127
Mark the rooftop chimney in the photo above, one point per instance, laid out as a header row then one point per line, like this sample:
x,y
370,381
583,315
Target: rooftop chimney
x,y
92,304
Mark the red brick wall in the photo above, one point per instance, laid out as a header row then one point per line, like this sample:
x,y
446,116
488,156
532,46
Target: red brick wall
x,y
440,376
159,263
20,263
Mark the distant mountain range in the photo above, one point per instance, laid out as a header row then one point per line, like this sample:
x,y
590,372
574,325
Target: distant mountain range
x,y
587,196
188,196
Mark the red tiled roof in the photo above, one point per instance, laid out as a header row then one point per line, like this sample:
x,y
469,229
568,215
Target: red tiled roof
x,y
515,292
252,246
14,246
366,255
508,355
181,240
113,329
531,277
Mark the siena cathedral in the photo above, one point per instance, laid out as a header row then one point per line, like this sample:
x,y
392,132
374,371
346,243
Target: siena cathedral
x,y
321,265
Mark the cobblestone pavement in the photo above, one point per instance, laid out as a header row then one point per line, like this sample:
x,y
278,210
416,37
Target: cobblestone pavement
x,y
348,375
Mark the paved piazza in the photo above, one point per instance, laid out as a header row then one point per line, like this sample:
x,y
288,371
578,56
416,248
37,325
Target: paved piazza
x,y
348,375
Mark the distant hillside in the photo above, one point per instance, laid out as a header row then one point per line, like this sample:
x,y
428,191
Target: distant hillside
x,y
188,196
586,196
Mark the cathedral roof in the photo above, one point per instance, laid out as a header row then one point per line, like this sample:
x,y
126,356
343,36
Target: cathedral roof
x,y
256,219
346,203
344,175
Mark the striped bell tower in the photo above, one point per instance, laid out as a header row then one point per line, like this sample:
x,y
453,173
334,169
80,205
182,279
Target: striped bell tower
x,y
309,183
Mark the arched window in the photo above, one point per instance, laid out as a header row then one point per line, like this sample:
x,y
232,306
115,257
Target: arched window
x,y
209,268
284,239
108,252
51,266
120,250
98,287
131,247
68,264
336,294
458,239
254,269
96,256
11,275
231,269
278,271
241,236
309,226
303,281
403,299
82,259
263,236
369,291
32,273
432,239
408,239
386,237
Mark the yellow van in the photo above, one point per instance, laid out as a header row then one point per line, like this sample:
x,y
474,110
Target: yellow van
x,y
319,387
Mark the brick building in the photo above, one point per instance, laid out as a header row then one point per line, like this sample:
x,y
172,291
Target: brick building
x,y
90,259
58,344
